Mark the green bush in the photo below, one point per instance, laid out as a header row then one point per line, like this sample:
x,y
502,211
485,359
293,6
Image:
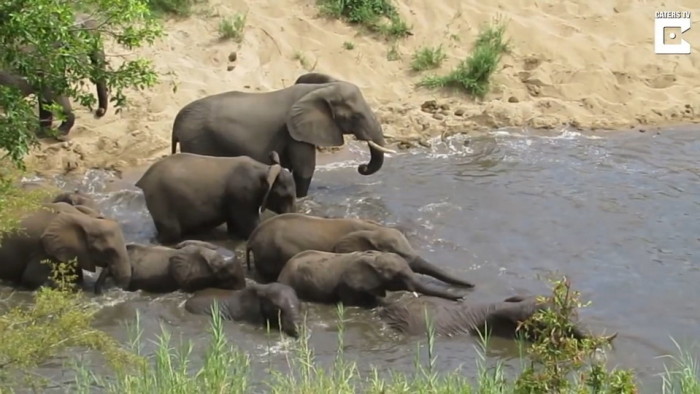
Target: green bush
x,y
376,15
427,58
473,74
232,29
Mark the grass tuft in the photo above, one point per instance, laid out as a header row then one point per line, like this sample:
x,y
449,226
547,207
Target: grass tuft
x,y
232,28
473,74
376,15
427,58
348,45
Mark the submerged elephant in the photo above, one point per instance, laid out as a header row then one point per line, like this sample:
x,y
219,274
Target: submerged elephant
x,y
188,266
77,198
59,232
46,97
449,318
186,193
257,303
357,278
292,121
279,238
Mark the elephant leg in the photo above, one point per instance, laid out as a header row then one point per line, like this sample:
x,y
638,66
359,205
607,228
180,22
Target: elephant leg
x,y
242,225
351,297
45,116
169,230
68,123
36,274
100,282
302,160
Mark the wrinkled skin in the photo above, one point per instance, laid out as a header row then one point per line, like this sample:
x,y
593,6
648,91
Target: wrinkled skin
x,y
449,318
188,266
354,279
257,304
187,193
292,121
46,97
279,238
77,198
59,232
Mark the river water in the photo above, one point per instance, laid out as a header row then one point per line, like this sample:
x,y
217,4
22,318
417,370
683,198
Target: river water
x,y
617,213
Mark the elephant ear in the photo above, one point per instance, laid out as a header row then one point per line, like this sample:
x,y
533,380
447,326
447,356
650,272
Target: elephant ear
x,y
365,276
311,118
272,173
65,238
190,271
356,241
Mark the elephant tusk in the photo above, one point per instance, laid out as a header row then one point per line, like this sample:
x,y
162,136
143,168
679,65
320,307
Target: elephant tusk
x,y
380,148
415,294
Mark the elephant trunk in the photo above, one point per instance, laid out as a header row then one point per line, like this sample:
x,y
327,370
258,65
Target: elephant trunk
x,y
102,99
421,266
431,290
376,150
120,269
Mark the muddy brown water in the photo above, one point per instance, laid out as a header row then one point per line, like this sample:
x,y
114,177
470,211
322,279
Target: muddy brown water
x,y
617,213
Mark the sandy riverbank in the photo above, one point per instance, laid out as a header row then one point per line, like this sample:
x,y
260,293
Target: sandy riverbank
x,y
586,64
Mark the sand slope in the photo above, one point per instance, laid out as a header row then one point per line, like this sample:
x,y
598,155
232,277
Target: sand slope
x,y
590,64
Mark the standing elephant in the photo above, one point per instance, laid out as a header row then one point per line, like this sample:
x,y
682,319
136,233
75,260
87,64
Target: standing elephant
x,y
279,238
357,278
448,318
189,266
59,232
257,303
292,121
186,193
46,97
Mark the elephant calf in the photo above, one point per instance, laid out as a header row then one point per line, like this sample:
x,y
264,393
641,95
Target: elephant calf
x,y
59,232
257,303
357,278
77,198
189,266
277,239
502,318
187,193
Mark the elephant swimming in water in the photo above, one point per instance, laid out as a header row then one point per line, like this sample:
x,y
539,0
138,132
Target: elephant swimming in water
x,y
292,121
279,238
501,318
260,304
357,278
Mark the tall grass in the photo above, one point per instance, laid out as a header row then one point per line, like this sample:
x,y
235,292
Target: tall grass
x,y
473,74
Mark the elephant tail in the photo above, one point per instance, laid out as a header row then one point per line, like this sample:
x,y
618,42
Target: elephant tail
x,y
173,142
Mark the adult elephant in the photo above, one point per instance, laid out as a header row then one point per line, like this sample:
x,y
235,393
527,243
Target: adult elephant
x,y
279,238
261,304
188,266
292,121
186,193
59,233
357,278
501,318
45,96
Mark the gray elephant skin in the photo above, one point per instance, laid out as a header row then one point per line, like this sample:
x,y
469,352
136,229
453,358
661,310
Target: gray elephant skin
x,y
502,318
59,232
188,266
279,238
292,121
77,198
46,97
354,279
187,193
260,304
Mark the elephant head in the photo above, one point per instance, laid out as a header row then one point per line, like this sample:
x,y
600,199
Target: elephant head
x,y
198,267
376,272
93,241
280,195
323,115
77,198
279,305
388,239
314,78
